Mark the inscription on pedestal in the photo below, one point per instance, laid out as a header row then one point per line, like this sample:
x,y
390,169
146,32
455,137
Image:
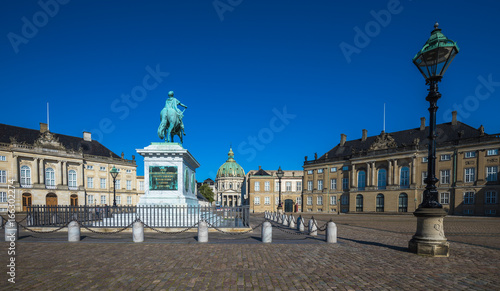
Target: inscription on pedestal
x,y
162,178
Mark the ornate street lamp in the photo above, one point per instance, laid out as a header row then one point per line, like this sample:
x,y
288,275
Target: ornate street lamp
x,y
432,61
114,172
280,175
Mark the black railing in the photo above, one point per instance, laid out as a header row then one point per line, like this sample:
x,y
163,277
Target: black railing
x,y
170,216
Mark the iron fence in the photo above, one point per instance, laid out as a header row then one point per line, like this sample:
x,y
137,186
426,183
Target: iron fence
x,y
169,216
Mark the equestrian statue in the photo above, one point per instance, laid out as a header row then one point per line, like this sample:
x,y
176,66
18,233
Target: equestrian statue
x,y
171,119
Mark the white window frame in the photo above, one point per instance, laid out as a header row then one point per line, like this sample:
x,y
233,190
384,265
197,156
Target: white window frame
x,y
50,177
288,186
333,184
141,185
118,200
299,186
319,200
267,200
129,184
3,158
3,196
444,177
320,185
103,199
469,175
298,200
3,176
309,200
470,154
424,176
333,169
277,186
309,185
445,157
128,171
444,198
491,197
492,173
425,159
333,200
102,168
72,178
310,172
469,198
90,167
492,152
267,186
256,200
129,200
320,171
90,199
256,187
90,182
118,184
102,183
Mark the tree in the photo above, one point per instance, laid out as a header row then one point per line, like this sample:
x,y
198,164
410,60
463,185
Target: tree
x,y
207,192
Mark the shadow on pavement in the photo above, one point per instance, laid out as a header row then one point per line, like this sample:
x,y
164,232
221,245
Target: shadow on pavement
x,y
396,248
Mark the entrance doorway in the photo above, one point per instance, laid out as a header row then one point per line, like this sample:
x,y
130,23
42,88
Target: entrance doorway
x,y
26,201
288,205
74,200
51,199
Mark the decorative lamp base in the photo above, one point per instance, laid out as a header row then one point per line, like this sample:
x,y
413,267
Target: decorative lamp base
x,y
429,240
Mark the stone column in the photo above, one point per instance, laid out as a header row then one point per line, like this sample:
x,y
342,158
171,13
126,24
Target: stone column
x,y
396,174
41,172
374,175
480,168
16,173
58,173
64,173
353,176
81,183
368,175
389,172
413,170
36,176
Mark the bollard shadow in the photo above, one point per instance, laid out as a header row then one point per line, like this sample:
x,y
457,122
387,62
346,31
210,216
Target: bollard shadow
x,y
370,243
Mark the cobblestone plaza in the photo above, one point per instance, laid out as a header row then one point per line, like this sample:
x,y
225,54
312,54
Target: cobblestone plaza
x,y
371,254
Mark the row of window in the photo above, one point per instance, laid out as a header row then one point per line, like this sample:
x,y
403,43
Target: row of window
x,y
90,183
237,186
288,186
267,200
91,167
93,200
404,182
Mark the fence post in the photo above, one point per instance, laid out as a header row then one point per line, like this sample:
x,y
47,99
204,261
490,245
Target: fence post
x,y
202,231
300,224
291,223
285,220
138,232
11,231
73,231
267,232
313,230
331,232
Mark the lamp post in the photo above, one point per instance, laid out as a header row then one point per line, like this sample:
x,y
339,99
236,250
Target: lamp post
x,y
114,173
432,61
280,174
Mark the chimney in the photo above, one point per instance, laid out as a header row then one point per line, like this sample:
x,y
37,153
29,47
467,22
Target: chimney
x,y
342,139
87,136
422,123
453,118
43,127
123,155
365,133
260,167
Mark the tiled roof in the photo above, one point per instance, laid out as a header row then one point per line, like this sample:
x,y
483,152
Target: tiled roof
x,y
447,134
29,136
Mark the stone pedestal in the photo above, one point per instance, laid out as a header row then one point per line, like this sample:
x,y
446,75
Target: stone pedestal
x,y
169,175
429,240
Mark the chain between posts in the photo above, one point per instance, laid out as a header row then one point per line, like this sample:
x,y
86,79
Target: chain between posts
x,y
50,231
234,233
285,230
168,232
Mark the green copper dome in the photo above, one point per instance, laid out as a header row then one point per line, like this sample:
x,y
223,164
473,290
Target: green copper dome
x,y
230,168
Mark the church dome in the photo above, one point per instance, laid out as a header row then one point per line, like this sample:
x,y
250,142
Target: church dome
x,y
230,168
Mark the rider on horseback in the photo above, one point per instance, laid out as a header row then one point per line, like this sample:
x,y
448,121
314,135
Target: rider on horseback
x,y
173,103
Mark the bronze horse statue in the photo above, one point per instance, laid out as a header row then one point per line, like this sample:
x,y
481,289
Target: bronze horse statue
x,y
171,120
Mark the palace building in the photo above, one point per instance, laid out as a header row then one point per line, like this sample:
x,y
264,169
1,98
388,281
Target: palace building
x,y
263,190
386,172
40,167
230,183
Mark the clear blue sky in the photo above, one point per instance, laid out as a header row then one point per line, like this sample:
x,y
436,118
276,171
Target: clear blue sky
x,y
267,77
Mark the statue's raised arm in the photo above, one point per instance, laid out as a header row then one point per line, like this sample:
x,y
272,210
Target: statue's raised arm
x,y
171,119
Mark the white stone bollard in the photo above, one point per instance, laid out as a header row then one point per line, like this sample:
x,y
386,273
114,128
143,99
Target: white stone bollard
x,y
300,224
313,230
285,220
267,232
73,231
11,231
202,231
138,232
291,223
331,232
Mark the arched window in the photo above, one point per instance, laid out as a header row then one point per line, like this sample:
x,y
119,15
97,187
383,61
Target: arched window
x,y
25,176
361,180
380,202
403,202
72,178
382,179
359,203
404,181
50,177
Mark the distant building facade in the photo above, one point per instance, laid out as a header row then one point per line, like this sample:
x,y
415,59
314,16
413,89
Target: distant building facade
x,y
386,173
263,190
230,183
45,168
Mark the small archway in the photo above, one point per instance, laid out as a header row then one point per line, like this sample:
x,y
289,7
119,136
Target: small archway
x,y
403,202
51,199
380,202
27,198
73,200
359,203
